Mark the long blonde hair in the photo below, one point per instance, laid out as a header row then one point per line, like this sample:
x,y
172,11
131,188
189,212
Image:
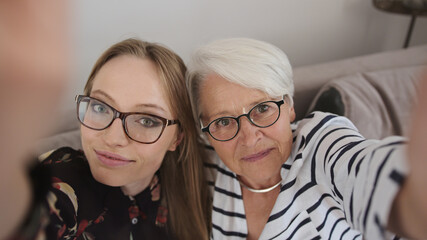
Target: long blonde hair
x,y
183,182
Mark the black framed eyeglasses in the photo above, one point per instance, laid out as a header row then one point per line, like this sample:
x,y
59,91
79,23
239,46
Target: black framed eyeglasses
x,y
262,115
140,127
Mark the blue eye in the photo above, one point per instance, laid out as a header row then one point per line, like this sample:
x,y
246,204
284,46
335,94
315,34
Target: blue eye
x,y
99,108
149,122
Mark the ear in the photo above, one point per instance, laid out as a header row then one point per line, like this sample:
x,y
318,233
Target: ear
x,y
290,102
292,114
177,141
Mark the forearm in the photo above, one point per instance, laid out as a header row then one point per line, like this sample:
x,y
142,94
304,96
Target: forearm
x,y
409,212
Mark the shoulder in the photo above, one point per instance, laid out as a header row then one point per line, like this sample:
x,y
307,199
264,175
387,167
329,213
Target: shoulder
x,y
318,124
69,169
67,166
65,161
215,169
61,155
73,195
319,120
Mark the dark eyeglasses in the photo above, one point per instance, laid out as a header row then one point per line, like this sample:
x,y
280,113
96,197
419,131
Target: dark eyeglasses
x,y
140,127
261,115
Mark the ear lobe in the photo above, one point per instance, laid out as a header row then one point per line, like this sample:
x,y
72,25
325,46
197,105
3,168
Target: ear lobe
x,y
177,141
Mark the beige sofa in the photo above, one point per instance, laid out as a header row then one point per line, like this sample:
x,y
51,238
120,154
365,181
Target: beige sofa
x,y
375,91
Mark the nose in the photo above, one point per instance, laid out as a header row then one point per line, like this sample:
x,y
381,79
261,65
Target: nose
x,y
249,134
115,134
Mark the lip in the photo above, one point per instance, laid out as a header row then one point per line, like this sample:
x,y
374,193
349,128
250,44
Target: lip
x,y
111,159
257,156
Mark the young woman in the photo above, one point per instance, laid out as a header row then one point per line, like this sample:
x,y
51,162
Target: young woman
x,y
140,173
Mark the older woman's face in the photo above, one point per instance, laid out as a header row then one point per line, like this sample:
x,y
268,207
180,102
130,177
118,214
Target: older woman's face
x,y
254,154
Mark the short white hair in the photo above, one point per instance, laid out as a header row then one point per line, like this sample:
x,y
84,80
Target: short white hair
x,y
250,63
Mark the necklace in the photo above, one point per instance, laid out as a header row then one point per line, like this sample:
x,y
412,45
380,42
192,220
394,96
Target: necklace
x,y
260,190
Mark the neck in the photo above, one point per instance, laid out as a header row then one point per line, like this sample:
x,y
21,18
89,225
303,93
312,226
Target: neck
x,y
134,188
261,190
264,188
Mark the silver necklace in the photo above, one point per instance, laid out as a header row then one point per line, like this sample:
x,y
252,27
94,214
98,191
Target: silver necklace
x,y
260,190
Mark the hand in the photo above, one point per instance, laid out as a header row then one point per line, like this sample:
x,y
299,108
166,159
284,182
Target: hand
x,y
409,214
33,69
417,155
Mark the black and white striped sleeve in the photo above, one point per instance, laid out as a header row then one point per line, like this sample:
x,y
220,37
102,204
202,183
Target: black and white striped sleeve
x,y
364,175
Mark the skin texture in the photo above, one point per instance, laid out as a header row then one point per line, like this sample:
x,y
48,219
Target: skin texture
x,y
221,98
129,84
34,57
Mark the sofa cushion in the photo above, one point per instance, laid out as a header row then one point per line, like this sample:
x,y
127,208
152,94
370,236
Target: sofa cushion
x,y
379,103
309,79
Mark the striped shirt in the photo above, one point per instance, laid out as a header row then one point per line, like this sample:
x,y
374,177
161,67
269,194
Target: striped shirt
x,y
335,185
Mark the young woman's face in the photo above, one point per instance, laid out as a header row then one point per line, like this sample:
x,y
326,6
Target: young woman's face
x,y
128,84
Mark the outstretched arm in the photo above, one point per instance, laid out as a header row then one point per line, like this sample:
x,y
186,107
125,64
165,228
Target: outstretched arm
x,y
409,213
33,67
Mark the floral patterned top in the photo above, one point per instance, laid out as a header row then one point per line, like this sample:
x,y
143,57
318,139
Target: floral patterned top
x,y
79,207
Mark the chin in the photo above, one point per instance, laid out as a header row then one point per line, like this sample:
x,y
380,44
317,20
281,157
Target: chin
x,y
107,179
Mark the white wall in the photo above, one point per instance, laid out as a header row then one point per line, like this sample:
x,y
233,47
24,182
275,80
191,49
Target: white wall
x,y
309,31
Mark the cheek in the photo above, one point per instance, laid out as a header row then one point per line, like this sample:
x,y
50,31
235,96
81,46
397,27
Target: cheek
x,y
284,139
169,139
88,136
150,157
84,133
225,150
155,151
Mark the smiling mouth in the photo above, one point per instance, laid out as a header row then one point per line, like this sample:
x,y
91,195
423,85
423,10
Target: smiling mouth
x,y
112,160
257,156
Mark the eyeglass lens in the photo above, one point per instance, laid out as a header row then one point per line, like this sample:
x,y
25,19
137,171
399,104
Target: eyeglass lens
x,y
140,127
261,115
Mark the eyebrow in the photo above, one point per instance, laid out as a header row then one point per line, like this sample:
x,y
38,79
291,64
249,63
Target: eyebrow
x,y
100,92
140,105
227,113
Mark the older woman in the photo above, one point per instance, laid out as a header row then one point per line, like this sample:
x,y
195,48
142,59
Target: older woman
x,y
318,178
